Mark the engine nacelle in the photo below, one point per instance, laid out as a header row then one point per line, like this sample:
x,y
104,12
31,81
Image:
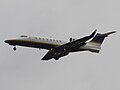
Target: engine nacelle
x,y
71,39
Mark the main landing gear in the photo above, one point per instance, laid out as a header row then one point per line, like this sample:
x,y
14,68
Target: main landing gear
x,y
56,58
14,48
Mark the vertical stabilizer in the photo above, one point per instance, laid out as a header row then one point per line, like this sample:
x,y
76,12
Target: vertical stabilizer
x,y
99,38
95,44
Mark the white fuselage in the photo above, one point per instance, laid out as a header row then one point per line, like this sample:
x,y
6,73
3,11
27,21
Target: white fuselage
x,y
45,43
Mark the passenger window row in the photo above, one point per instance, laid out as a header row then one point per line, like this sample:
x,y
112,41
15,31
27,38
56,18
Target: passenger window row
x,y
46,39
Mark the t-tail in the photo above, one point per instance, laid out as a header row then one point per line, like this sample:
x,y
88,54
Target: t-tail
x,y
95,44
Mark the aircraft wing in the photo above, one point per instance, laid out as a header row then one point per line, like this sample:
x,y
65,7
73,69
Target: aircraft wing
x,y
48,56
66,48
77,42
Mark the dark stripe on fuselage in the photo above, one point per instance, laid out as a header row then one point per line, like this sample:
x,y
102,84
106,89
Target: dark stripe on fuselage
x,y
33,44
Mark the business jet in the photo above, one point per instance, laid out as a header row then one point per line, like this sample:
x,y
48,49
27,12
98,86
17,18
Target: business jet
x,y
59,48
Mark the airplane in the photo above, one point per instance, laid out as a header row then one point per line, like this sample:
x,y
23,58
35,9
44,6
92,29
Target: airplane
x,y
59,48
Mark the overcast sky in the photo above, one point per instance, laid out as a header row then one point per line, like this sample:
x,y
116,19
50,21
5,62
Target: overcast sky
x,y
61,19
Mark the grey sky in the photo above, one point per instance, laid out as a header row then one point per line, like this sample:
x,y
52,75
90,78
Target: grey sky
x,y
61,19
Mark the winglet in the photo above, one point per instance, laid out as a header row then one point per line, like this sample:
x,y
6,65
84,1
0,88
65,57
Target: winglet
x,y
92,35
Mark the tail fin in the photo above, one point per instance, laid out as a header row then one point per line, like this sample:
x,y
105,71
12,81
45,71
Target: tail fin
x,y
99,38
92,35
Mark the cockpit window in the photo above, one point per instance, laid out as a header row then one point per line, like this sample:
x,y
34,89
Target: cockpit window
x,y
23,36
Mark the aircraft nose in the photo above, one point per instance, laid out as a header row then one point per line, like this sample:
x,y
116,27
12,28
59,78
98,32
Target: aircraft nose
x,y
6,41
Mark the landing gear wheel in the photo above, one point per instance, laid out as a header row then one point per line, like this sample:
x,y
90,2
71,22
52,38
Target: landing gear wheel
x,y
14,48
56,58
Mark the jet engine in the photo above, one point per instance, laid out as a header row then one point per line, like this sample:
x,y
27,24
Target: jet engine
x,y
71,39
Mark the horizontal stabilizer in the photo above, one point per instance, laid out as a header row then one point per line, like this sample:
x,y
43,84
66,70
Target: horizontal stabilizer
x,y
106,34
